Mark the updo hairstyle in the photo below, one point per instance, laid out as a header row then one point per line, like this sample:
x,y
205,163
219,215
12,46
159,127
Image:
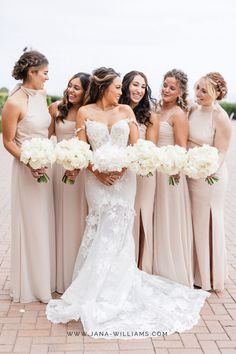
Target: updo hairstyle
x,y
31,59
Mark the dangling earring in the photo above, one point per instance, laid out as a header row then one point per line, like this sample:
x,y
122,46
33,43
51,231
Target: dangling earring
x,y
180,101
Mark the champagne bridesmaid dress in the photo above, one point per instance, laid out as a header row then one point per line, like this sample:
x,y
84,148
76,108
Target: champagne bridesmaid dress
x,y
33,234
173,236
143,222
208,210
70,213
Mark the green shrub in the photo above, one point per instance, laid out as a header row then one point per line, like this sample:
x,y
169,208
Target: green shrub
x,y
3,98
51,99
230,108
55,98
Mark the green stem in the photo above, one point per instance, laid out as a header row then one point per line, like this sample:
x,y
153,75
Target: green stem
x,y
43,179
67,180
173,181
211,180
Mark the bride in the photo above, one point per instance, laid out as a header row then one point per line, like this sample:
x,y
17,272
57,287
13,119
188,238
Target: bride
x,y
110,295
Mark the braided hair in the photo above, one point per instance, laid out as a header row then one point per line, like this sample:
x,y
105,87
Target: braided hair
x,y
31,59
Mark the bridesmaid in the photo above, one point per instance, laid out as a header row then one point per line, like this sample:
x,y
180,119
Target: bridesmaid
x,y
173,235
137,94
209,124
70,200
25,115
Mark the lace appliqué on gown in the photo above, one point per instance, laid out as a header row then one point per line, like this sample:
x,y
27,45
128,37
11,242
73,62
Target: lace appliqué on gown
x,y
110,295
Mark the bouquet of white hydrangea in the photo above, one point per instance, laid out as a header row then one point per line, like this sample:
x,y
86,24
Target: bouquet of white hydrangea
x,y
109,158
38,153
202,162
143,157
171,160
72,154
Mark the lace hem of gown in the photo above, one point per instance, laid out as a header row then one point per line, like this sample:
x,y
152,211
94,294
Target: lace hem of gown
x,y
154,305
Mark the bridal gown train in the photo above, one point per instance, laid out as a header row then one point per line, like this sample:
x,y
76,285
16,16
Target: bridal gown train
x,y
110,295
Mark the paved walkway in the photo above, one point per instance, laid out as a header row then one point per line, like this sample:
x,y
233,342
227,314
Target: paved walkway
x,y
24,328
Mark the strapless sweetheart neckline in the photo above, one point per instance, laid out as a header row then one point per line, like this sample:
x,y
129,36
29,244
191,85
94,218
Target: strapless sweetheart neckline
x,y
109,129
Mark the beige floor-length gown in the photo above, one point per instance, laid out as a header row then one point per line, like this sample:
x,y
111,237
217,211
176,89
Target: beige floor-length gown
x,y
33,234
208,208
70,213
143,222
173,236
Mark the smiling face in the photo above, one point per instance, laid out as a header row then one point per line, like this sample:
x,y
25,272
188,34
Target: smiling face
x,y
113,92
203,96
137,89
170,90
37,77
75,92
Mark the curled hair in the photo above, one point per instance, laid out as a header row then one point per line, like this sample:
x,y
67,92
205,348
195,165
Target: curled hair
x,y
65,105
142,110
218,86
100,79
182,79
31,59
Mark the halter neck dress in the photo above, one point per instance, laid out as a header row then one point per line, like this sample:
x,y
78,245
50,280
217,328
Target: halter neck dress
x,y
208,210
32,275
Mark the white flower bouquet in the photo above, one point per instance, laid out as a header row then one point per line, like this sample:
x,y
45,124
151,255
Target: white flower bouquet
x,y
171,160
72,154
38,153
143,157
202,162
109,158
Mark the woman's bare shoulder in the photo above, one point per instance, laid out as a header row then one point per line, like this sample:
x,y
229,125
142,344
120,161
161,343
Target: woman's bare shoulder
x,y
125,108
220,116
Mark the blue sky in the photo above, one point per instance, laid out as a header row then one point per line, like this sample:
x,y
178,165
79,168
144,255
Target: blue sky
x,y
152,36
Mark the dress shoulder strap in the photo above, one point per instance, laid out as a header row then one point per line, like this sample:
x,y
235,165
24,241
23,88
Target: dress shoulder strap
x,y
14,90
79,129
132,120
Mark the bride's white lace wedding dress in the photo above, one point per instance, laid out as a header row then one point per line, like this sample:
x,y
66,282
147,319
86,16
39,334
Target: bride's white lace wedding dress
x,y
110,295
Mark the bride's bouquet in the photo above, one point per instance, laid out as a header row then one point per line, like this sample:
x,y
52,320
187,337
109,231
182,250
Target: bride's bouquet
x,y
170,160
109,158
143,157
202,162
72,154
38,153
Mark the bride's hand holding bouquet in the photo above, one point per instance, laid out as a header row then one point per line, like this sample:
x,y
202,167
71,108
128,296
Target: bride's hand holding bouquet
x,y
109,163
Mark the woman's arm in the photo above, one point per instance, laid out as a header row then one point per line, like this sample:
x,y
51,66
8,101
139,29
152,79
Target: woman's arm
x,y
152,132
53,110
181,128
133,125
10,116
223,130
80,124
81,134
